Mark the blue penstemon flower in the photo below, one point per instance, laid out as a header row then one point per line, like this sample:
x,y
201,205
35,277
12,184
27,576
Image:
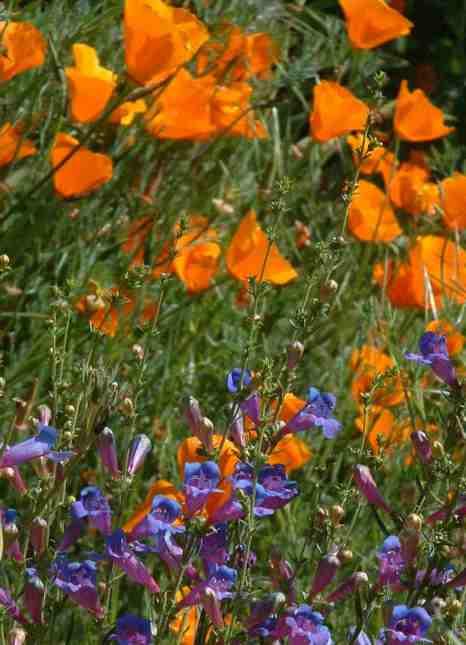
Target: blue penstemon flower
x,y
434,353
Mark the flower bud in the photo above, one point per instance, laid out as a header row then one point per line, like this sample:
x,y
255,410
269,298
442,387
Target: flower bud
x,y
38,535
367,486
438,605
325,573
138,351
349,586
138,450
295,354
34,595
438,451
45,415
17,636
127,407
223,207
454,606
414,522
345,556
108,452
70,410
207,432
328,290
4,261
409,540
422,446
237,434
336,513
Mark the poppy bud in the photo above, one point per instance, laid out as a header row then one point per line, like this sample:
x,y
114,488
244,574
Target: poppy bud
x,y
367,486
108,453
38,535
140,447
325,573
295,354
422,446
207,431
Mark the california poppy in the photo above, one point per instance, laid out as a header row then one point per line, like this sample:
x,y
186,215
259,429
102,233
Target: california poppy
x,y
185,622
12,145
368,362
445,264
91,85
416,118
159,39
379,423
83,173
290,451
190,450
377,160
454,201
127,112
371,23
411,190
371,217
336,111
251,255
455,340
403,283
231,111
22,47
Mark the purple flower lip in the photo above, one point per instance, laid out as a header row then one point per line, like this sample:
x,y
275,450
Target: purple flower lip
x,y
33,448
408,625
318,412
78,581
302,625
121,554
132,630
200,480
238,377
434,353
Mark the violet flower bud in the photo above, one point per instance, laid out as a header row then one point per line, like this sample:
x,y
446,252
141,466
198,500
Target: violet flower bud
x,y
14,477
34,595
138,451
367,486
325,573
108,452
193,415
348,586
38,535
11,607
45,415
237,434
295,354
422,446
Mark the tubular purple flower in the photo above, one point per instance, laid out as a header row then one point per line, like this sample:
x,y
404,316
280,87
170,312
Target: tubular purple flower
x,y
121,554
132,630
251,407
236,432
200,480
367,486
348,586
78,581
11,607
108,452
422,446
94,506
214,547
38,535
326,570
211,592
238,378
34,591
10,534
303,626
138,451
273,490
29,449
407,626
434,353
318,411
391,562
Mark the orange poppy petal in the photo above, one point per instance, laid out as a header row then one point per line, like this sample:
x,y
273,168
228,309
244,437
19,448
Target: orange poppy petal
x,y
371,217
416,118
445,263
291,452
22,47
455,340
454,202
83,173
371,23
336,111
13,146
251,255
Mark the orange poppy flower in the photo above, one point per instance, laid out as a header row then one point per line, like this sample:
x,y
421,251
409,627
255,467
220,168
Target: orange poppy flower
x,y
167,117
22,47
416,118
104,312
160,487
371,218
454,201
367,362
83,173
159,39
251,255
231,112
237,55
455,340
91,85
12,145
380,423
336,111
379,160
404,283
127,112
411,190
371,23
190,451
291,452
185,622
290,406
445,263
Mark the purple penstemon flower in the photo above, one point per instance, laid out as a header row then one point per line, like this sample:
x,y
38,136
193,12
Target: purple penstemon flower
x,y
122,555
434,353
318,411
211,592
200,480
366,484
34,591
108,452
132,630
78,580
237,378
214,547
273,490
303,626
391,562
8,524
92,506
406,626
138,451
38,446
262,621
